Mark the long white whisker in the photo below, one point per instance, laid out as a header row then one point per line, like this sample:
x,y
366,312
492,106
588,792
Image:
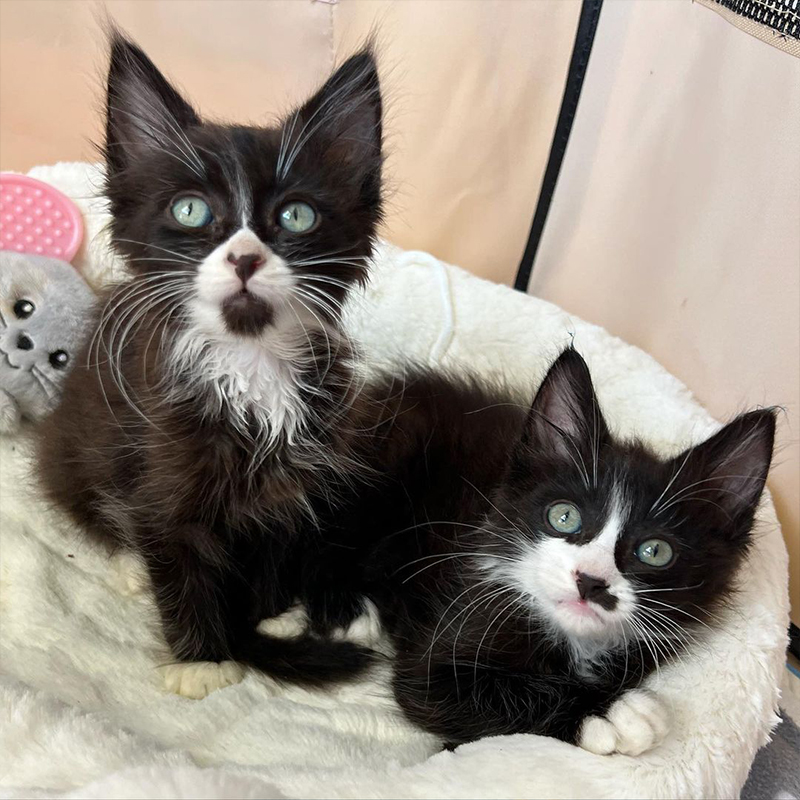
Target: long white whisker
x,y
181,256
443,559
189,159
492,505
304,137
673,589
676,609
667,487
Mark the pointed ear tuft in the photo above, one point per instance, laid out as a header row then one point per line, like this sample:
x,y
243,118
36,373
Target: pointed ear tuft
x,y
343,121
565,414
143,110
728,471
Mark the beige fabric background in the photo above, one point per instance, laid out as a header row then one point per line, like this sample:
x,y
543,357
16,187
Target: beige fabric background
x,y
676,223
473,92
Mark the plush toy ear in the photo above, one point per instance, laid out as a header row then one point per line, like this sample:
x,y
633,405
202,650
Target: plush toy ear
x,y
342,121
565,419
144,112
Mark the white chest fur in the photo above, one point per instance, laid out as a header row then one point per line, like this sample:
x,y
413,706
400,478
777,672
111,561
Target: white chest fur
x,y
258,383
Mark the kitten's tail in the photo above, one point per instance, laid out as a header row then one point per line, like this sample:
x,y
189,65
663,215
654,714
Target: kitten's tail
x,y
306,660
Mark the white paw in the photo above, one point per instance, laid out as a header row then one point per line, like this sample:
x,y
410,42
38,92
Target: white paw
x,y
364,630
127,574
636,722
288,625
196,679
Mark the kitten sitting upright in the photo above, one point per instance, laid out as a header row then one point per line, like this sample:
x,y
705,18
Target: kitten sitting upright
x,y
210,412
532,569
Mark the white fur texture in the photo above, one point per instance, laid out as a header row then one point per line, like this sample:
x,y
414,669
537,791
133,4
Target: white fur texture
x,y
256,376
635,723
217,279
546,573
366,630
80,698
286,626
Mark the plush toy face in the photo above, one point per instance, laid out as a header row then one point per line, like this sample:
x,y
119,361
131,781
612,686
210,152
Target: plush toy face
x,y
43,317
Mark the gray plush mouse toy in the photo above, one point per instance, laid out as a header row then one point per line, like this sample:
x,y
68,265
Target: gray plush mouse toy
x,y
44,305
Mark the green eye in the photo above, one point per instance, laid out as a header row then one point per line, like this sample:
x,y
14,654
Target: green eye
x,y
297,217
564,518
192,212
654,553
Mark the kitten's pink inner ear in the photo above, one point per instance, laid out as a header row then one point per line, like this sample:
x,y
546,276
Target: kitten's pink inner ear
x,y
729,469
565,410
144,110
346,112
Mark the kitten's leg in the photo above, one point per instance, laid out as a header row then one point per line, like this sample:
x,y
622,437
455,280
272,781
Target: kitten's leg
x,y
464,703
636,722
331,611
201,609
332,589
209,613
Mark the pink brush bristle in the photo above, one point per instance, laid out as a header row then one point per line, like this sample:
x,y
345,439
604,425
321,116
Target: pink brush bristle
x,y
36,218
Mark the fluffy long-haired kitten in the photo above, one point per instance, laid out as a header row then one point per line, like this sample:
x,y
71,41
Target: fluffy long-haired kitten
x,y
210,412
535,568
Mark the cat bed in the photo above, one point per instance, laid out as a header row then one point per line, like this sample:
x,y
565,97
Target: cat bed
x,y
83,710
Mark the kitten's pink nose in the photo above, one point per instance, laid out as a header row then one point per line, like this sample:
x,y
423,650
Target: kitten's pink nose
x,y
246,264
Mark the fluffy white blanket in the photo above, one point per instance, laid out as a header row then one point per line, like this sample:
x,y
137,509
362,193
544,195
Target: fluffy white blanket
x,y
82,708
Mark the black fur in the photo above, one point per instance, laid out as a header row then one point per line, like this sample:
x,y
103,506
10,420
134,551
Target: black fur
x,y
141,452
468,476
153,134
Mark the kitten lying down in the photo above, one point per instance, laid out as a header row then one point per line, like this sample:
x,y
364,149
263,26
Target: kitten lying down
x,y
530,568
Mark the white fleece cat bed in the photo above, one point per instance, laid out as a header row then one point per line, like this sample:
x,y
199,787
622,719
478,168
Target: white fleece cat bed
x,y
83,711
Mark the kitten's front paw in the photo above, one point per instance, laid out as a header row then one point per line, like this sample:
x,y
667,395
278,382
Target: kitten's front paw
x,y
364,629
196,679
636,722
289,625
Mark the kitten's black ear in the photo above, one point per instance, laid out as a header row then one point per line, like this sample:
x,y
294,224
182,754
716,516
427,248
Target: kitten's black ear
x,y
727,472
565,413
143,110
342,121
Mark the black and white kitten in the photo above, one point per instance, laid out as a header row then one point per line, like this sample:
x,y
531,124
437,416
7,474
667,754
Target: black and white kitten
x,y
531,568
210,413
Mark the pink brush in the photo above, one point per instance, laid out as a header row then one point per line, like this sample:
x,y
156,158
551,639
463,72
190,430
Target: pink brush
x,y
38,219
